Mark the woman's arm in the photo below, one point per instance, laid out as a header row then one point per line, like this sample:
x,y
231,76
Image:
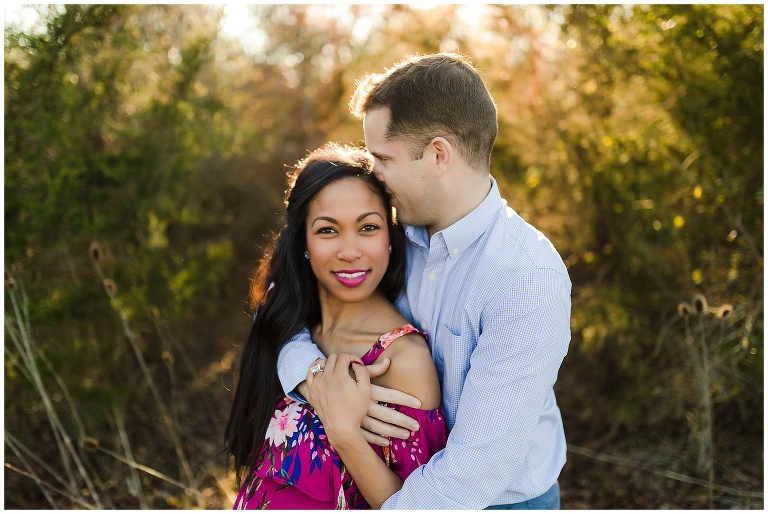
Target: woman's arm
x,y
341,402
341,397
372,476
411,371
298,355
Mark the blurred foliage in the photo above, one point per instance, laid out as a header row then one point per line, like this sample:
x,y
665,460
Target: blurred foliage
x,y
671,176
145,160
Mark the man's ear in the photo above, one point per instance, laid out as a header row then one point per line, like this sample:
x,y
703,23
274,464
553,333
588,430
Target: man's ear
x,y
443,154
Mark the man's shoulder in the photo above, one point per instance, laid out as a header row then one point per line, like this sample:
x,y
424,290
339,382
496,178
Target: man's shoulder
x,y
515,247
520,270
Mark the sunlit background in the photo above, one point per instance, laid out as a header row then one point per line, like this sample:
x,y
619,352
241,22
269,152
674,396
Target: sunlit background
x,y
146,150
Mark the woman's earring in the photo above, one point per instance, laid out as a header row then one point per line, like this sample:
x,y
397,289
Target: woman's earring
x,y
390,248
306,254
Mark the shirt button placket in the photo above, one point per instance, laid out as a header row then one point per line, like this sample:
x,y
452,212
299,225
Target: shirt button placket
x,y
428,291
434,266
430,286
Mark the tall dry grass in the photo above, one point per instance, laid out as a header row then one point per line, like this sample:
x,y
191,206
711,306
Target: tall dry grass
x,y
98,470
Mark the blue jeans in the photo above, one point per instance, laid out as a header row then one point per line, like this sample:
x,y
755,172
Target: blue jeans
x,y
547,501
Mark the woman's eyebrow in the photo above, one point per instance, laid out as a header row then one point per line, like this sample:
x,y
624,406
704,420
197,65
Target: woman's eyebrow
x,y
324,218
363,216
359,218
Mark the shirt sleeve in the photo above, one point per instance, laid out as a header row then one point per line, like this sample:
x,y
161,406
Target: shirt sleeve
x,y
506,414
293,361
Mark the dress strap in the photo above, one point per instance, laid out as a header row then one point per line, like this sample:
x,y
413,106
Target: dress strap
x,y
386,339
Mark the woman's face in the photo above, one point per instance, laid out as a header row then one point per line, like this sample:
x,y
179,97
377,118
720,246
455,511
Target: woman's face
x,y
347,240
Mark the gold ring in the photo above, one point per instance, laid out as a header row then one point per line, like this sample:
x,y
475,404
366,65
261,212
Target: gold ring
x,y
316,369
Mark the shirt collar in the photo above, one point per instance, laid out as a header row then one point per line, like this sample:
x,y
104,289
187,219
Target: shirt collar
x,y
464,232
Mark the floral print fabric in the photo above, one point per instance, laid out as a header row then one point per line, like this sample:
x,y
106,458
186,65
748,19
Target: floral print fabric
x,y
299,469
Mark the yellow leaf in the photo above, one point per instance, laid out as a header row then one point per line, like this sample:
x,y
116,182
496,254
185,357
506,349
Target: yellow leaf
x,y
697,276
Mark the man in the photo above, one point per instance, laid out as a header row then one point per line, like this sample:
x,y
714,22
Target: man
x,y
488,288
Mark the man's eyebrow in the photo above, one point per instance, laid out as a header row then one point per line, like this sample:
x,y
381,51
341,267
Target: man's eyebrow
x,y
377,155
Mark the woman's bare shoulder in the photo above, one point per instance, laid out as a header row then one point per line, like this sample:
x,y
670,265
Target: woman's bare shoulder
x,y
412,370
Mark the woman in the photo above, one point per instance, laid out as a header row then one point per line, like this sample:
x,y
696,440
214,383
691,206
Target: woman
x,y
335,267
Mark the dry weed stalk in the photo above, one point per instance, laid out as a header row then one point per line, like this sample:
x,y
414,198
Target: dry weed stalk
x,y
14,446
77,481
19,330
110,287
707,358
134,482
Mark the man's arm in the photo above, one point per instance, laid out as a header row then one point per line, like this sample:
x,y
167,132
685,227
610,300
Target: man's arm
x,y
298,355
295,358
506,395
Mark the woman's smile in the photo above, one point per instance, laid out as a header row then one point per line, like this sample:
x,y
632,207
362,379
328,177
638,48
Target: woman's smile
x,y
351,278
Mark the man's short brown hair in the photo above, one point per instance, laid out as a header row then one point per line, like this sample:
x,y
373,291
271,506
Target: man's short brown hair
x,y
438,95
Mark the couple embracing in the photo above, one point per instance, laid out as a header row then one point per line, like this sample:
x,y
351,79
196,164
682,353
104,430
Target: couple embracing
x,y
409,326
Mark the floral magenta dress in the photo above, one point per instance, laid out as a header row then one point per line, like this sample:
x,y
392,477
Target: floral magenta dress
x,y
300,469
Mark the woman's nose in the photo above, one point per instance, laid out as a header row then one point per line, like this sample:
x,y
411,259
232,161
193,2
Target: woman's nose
x,y
349,252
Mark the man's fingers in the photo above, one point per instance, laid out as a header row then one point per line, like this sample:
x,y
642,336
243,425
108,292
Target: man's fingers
x,y
392,417
374,438
393,396
382,429
388,422
378,368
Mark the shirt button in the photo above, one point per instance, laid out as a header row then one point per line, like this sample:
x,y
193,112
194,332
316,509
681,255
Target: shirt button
x,y
432,276
424,327
455,251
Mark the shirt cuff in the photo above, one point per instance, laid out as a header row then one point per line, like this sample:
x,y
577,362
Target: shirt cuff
x,y
390,503
293,364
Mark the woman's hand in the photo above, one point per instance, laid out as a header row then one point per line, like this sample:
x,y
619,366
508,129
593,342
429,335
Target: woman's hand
x,y
381,423
341,395
340,389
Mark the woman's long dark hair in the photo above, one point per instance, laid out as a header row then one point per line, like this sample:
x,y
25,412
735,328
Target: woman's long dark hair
x,y
284,294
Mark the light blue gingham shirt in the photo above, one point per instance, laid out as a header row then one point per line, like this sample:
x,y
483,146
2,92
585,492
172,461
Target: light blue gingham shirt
x,y
495,298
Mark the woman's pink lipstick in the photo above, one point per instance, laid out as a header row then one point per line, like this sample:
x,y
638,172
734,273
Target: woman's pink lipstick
x,y
351,278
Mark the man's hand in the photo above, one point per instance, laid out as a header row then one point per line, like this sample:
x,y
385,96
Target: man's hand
x,y
381,422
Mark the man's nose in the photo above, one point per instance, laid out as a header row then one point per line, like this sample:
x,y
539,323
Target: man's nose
x,y
377,172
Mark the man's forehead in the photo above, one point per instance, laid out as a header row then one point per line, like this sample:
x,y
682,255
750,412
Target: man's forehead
x,y
375,124
376,120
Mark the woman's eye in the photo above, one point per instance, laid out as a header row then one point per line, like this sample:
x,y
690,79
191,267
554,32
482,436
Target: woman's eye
x,y
326,230
370,227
